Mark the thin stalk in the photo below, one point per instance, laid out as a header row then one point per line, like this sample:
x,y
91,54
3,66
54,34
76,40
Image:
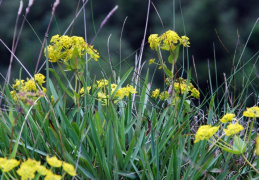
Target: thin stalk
x,y
250,164
46,34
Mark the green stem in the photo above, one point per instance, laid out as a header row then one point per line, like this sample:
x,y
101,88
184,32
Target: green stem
x,y
247,128
218,144
223,143
5,175
250,164
251,127
9,175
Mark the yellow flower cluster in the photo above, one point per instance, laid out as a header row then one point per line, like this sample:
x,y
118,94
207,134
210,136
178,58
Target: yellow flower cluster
x,y
122,92
155,93
27,91
181,85
228,118
151,61
167,41
163,95
233,129
82,90
63,47
251,112
8,164
30,167
205,132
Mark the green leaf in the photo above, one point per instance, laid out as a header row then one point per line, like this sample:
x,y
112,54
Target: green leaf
x,y
238,148
170,59
175,54
11,118
239,144
168,72
61,84
143,96
232,151
211,110
123,79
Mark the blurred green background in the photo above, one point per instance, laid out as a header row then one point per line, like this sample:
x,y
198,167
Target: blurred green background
x,y
199,20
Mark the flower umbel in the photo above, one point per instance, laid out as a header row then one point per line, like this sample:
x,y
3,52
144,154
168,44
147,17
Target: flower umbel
x,y
154,41
233,129
251,112
185,41
228,117
53,161
8,164
69,168
151,61
155,93
169,40
205,132
63,47
26,171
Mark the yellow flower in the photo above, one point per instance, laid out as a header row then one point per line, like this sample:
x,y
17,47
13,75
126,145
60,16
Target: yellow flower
x,y
130,90
251,112
151,61
154,41
44,90
227,117
82,90
195,93
18,84
170,39
120,93
53,54
39,78
155,93
26,171
62,48
52,98
181,86
53,161
113,87
92,52
101,83
164,95
31,162
28,168
42,170
205,132
30,85
51,176
2,162
69,168
233,129
13,94
102,95
8,164
184,40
